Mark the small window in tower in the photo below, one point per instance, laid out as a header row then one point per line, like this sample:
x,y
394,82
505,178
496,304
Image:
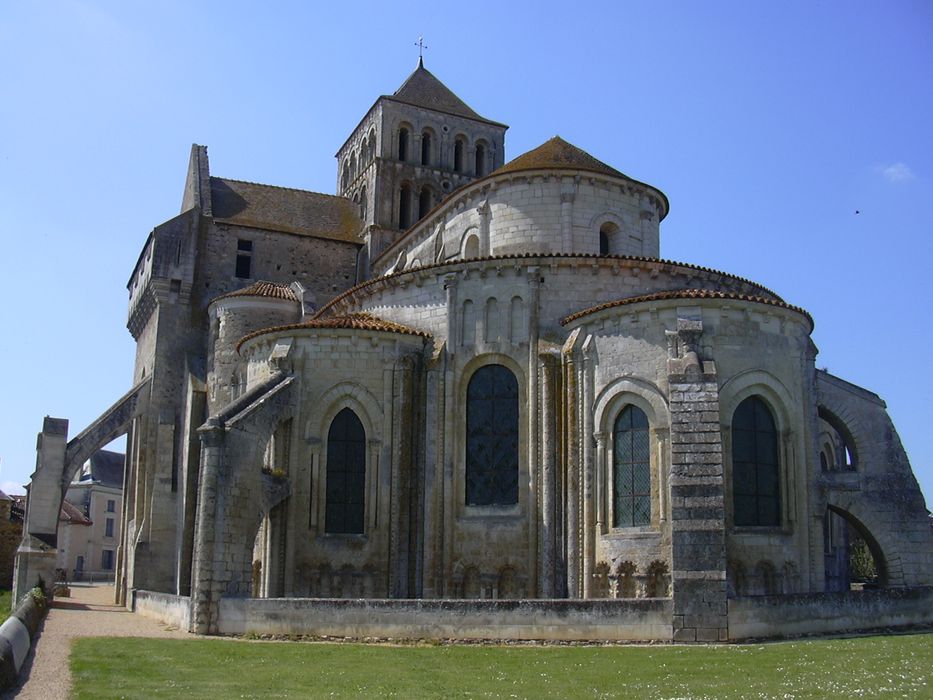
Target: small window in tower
x,y
244,258
424,202
480,160
458,155
403,144
426,148
404,207
607,232
108,531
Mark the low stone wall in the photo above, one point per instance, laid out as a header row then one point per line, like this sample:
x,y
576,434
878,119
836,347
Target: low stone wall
x,y
171,609
825,613
621,620
17,635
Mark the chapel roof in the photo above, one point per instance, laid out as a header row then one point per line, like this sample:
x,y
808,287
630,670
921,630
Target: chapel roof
x,y
269,290
354,321
423,89
687,294
555,153
285,209
106,467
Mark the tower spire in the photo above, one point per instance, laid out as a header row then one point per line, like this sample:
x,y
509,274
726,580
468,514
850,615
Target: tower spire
x,y
421,49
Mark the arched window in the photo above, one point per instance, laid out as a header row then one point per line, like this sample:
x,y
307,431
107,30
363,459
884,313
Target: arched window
x,y
346,176
458,155
606,233
372,144
403,144
471,247
755,487
492,437
426,148
346,474
404,207
480,160
424,202
631,469
364,204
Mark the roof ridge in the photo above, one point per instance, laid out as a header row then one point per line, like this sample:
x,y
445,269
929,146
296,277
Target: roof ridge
x,y
523,256
690,293
343,322
280,187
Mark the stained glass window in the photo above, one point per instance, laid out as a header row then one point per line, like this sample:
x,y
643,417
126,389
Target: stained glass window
x,y
631,472
755,484
492,438
346,474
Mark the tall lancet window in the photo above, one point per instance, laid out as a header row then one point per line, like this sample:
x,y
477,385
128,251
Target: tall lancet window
x,y
631,469
346,474
492,437
755,484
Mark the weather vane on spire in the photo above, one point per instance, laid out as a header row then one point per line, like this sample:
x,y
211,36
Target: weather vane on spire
x,y
421,49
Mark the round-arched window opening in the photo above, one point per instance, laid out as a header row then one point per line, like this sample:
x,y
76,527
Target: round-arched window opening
x,y
607,232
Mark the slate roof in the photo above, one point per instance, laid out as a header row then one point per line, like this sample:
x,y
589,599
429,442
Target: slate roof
x,y
356,321
107,468
555,153
285,209
70,513
271,290
687,294
423,89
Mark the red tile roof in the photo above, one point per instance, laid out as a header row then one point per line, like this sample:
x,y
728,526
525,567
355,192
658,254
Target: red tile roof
x,y
70,513
544,256
357,321
557,154
687,294
271,290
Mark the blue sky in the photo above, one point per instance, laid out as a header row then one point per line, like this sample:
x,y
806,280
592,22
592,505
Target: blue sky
x,y
767,125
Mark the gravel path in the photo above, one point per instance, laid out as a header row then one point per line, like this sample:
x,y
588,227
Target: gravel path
x,y
89,612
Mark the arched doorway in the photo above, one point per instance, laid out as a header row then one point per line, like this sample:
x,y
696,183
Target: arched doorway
x,y
852,557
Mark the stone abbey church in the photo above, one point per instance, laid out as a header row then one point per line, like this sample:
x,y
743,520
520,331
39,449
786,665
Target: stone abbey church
x,y
466,396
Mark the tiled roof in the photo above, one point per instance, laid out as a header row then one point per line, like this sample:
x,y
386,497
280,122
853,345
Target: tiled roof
x,y
687,294
285,209
70,513
557,154
422,89
357,321
271,290
545,256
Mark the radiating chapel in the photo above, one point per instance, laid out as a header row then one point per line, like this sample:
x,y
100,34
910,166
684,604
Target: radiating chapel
x,y
466,396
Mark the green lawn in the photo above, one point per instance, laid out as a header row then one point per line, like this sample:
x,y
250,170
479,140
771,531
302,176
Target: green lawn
x,y
6,603
866,667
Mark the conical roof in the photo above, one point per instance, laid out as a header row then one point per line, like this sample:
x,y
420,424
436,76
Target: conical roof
x,y
423,89
556,153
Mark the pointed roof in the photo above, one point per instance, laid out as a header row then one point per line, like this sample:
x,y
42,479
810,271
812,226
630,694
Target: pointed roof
x,y
423,89
558,154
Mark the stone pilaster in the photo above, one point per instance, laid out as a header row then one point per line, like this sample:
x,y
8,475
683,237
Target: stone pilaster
x,y
697,492
547,541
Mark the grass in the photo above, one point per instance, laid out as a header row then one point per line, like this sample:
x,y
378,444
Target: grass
x,y
6,604
867,667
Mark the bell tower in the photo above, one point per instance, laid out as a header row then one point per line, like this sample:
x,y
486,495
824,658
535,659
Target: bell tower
x,y
412,149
